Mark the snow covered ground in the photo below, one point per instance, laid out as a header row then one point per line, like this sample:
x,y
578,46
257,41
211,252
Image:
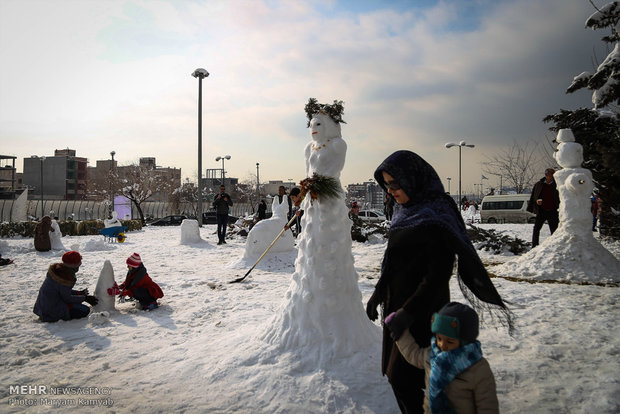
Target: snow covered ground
x,y
192,354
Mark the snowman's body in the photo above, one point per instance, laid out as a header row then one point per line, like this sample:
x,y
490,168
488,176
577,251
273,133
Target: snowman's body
x,y
265,232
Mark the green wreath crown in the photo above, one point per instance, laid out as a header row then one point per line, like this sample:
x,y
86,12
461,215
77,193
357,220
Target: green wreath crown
x,y
334,111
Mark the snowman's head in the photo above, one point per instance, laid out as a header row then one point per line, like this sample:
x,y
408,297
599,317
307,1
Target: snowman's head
x,y
323,127
569,155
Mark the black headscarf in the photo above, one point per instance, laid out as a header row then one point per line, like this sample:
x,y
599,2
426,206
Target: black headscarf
x,y
430,206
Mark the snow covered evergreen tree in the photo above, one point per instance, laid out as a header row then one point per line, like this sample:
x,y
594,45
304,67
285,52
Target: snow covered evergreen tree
x,y
598,129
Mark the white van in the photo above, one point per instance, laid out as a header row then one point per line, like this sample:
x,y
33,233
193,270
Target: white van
x,y
508,208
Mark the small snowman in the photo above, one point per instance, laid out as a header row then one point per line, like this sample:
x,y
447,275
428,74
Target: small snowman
x,y
574,185
265,232
190,232
56,237
105,290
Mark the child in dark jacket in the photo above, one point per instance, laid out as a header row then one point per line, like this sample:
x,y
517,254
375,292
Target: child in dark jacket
x,y
57,299
139,285
458,379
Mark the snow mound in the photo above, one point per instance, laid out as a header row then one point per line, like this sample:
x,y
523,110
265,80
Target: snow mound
x,y
190,233
278,381
99,318
564,257
96,246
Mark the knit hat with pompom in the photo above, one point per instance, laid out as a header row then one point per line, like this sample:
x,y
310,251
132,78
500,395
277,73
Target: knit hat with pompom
x,y
134,260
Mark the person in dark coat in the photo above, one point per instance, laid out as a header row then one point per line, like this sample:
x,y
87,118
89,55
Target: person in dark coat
x,y
139,285
262,210
544,202
296,198
42,230
222,203
57,299
426,233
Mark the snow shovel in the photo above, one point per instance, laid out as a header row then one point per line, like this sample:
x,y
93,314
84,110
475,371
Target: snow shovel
x,y
268,248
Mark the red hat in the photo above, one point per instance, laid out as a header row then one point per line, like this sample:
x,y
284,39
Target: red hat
x,y
134,260
72,259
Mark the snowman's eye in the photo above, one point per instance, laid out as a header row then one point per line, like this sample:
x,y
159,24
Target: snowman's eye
x,y
318,123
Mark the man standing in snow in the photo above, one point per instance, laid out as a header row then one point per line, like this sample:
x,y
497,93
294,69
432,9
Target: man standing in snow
x,y
544,202
222,203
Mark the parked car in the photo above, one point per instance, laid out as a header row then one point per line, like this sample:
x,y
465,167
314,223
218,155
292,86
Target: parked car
x,y
506,208
209,217
372,215
175,220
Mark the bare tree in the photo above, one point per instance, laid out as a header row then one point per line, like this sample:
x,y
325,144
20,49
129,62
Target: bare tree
x,y
247,190
138,184
187,194
520,165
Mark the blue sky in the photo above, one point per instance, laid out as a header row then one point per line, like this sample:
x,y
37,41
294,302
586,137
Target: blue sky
x,y
97,76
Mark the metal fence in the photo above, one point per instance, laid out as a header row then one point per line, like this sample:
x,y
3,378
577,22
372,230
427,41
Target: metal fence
x,y
93,210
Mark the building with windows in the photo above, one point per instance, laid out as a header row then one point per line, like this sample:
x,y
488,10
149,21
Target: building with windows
x,y
59,177
369,195
10,179
99,177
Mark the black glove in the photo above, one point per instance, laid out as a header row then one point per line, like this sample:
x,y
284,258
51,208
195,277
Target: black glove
x,y
92,301
397,322
371,306
83,292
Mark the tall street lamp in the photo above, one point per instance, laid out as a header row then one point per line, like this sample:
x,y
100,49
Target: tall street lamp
x,y
448,178
460,145
41,159
223,157
111,171
257,185
200,74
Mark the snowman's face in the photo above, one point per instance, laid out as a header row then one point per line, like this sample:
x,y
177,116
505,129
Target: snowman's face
x,y
323,127
569,155
317,127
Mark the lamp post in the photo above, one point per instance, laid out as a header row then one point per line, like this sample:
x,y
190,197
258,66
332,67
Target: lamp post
x,y
460,145
112,170
200,74
41,159
257,185
448,178
224,157
500,183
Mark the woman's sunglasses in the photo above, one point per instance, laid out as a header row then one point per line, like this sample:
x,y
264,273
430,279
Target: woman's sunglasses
x,y
393,185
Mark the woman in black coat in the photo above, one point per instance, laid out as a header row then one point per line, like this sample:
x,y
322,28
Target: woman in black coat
x,y
426,235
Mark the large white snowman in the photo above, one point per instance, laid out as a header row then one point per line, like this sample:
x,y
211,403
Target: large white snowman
x,y
572,251
322,315
320,336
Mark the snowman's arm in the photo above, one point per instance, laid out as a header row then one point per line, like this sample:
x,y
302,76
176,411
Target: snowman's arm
x,y
307,152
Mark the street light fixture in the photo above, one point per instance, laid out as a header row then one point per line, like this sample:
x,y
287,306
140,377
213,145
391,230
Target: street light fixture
x,y
460,145
257,184
111,179
448,178
41,159
223,157
200,73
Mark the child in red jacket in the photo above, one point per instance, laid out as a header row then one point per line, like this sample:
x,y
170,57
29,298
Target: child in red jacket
x,y
139,285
